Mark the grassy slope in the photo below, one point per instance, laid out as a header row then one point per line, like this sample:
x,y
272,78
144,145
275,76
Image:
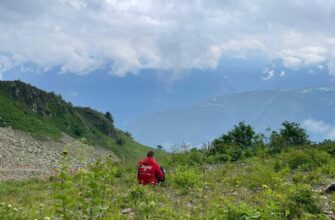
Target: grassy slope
x,y
77,122
270,187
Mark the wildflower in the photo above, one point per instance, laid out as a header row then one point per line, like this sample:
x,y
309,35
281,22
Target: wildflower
x,y
9,206
15,209
152,203
46,218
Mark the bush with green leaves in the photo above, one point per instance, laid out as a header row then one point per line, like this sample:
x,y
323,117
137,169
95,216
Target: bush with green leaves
x,y
84,193
138,193
192,157
64,190
195,157
291,134
301,200
306,159
185,178
328,146
242,136
240,211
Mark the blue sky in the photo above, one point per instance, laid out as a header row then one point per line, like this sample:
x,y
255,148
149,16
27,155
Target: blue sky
x,y
134,56
132,95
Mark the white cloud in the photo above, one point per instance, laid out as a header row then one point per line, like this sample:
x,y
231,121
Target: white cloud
x,y
320,128
5,65
81,36
282,74
268,74
306,56
331,64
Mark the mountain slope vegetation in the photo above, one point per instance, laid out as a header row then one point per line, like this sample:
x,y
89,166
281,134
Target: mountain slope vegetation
x,y
47,115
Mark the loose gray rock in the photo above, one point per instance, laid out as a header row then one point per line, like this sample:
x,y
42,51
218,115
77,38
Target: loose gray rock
x,y
126,211
23,156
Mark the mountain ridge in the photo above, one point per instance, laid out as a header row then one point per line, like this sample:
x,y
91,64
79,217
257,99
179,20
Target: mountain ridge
x,y
208,119
47,115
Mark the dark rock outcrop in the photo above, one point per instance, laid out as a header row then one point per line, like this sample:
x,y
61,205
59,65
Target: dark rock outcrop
x,y
330,188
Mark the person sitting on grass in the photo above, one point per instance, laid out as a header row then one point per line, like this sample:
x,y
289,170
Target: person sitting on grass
x,y
149,171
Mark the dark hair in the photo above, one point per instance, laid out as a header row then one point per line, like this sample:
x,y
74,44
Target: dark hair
x,y
151,154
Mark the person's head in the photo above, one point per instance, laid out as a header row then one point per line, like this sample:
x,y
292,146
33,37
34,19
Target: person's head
x,y
151,154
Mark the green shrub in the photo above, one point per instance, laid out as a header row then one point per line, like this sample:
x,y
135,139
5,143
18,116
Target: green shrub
x,y
298,159
210,159
120,141
278,165
78,131
241,211
307,159
237,143
64,191
259,176
329,169
319,158
185,178
301,200
138,193
293,135
315,176
195,157
222,158
328,146
299,178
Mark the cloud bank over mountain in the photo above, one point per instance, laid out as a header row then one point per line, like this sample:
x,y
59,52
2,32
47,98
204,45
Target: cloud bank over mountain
x,y
320,128
81,36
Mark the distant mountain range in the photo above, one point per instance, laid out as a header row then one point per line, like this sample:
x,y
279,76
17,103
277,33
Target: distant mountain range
x,y
202,122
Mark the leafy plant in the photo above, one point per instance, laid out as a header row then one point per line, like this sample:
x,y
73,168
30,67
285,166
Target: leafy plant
x,y
301,200
185,178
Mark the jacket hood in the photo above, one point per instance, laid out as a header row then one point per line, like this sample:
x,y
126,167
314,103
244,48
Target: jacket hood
x,y
148,161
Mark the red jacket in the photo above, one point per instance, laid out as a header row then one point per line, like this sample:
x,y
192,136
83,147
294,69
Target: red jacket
x,y
149,172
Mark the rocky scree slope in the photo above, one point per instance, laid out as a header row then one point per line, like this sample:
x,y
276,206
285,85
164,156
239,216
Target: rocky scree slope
x,y
23,155
41,121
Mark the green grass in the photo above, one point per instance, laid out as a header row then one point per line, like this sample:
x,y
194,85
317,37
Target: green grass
x,y
266,187
13,115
